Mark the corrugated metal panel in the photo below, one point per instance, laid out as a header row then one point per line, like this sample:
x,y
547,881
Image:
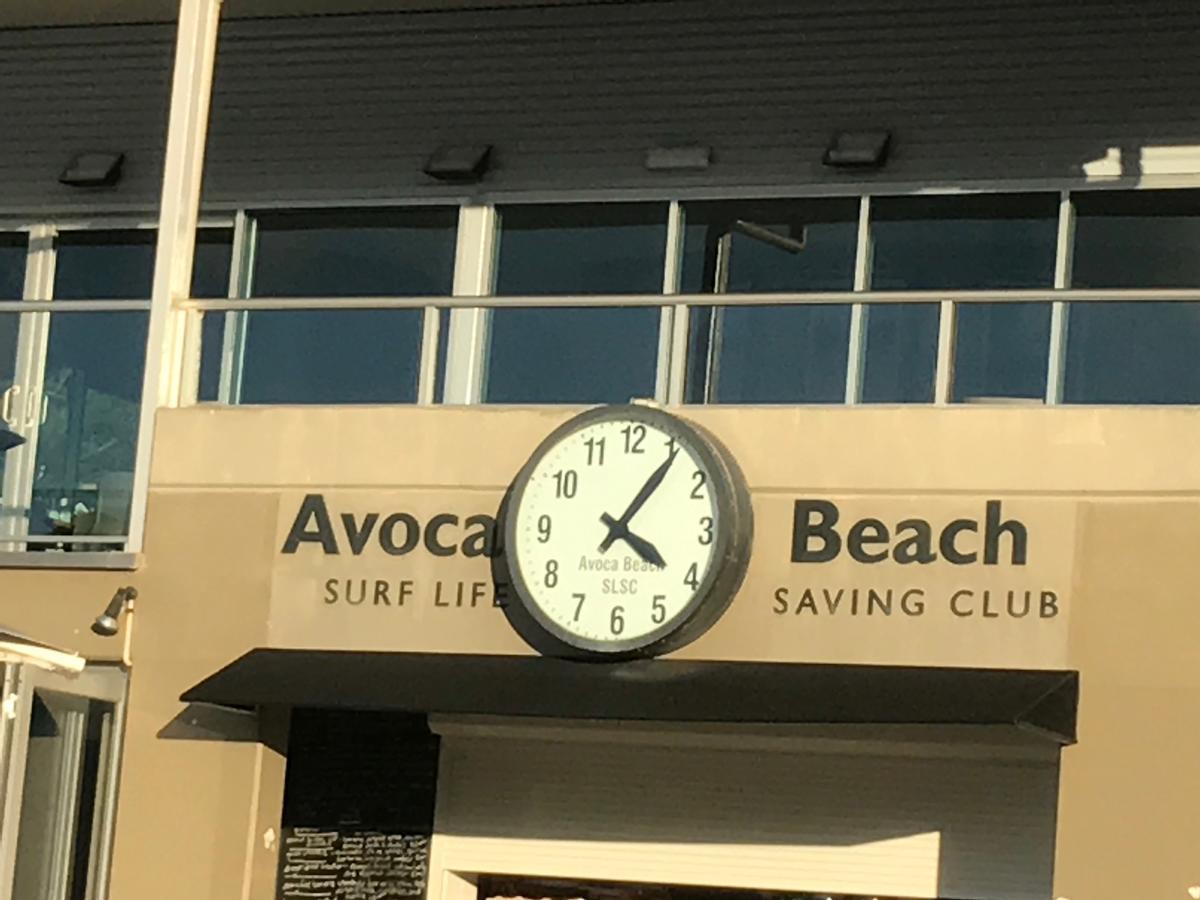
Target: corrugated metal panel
x,y
883,824
344,108
571,97
69,90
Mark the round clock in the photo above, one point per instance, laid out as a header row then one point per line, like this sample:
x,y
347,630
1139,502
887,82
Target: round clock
x,y
627,533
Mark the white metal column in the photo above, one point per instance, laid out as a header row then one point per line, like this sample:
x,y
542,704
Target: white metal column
x,y
1056,361
474,276
187,131
856,354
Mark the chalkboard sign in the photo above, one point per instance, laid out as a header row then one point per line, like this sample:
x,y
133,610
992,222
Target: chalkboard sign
x,y
358,807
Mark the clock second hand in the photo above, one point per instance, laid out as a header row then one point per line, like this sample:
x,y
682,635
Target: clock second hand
x,y
620,527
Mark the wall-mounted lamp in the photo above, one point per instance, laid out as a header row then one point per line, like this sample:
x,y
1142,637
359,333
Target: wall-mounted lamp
x,y
107,623
93,170
858,149
692,157
462,163
9,439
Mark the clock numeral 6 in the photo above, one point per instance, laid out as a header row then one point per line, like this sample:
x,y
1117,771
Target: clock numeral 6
x,y
617,621
658,612
566,483
551,578
543,526
706,535
692,578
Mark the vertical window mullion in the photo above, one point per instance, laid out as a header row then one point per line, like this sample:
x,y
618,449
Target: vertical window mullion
x,y
469,330
943,379
241,283
1064,252
33,343
857,353
673,325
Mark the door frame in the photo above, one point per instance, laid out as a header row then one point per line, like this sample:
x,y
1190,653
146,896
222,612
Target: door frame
x,y
105,683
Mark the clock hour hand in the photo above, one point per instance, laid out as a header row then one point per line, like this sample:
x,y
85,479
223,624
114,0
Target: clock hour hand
x,y
651,485
642,547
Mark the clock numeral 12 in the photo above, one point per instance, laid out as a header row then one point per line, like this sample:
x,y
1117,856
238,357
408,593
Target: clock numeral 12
x,y
634,435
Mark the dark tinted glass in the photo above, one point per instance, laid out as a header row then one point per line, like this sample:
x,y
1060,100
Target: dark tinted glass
x,y
577,355
972,242
1137,239
210,279
350,356
964,242
1001,350
1139,352
104,265
901,354
13,249
793,354
1133,353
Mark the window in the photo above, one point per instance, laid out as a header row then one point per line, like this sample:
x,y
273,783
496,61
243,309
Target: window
x,y
573,355
970,242
1136,352
92,386
12,279
332,355
769,354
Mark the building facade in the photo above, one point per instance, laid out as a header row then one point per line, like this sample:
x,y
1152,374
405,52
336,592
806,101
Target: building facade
x,y
291,295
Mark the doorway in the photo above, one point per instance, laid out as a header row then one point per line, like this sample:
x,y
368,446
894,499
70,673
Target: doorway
x,y
60,745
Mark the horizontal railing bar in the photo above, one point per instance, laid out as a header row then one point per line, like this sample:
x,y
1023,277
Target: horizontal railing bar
x,y
53,306
62,539
1178,295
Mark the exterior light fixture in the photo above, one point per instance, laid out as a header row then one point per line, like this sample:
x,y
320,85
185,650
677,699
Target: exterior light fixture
x,y
107,623
9,439
693,157
462,163
858,149
93,170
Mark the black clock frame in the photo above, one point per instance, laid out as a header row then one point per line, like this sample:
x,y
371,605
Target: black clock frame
x,y
732,541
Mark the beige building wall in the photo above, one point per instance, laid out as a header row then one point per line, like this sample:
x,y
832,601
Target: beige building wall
x,y
197,815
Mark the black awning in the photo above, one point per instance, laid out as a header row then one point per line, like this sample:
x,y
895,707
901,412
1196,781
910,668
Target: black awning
x,y
652,690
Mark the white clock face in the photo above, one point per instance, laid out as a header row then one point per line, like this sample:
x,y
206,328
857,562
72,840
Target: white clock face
x,y
615,532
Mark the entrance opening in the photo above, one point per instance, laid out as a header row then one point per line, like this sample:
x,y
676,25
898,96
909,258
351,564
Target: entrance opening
x,y
492,887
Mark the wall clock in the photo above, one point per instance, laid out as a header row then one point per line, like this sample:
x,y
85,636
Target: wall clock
x,y
627,533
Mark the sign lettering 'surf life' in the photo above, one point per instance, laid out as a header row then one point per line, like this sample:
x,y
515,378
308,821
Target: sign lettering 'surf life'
x,y
816,538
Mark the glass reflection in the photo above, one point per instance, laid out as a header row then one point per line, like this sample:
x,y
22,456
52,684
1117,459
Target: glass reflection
x,y
1001,350
577,355
901,357
92,387
783,354
12,282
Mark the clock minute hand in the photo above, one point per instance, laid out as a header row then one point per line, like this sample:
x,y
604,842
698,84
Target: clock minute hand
x,y
651,485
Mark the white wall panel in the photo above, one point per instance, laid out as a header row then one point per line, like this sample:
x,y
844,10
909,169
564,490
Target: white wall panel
x,y
910,824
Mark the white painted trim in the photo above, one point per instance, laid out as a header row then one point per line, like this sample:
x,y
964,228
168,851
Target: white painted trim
x,y
241,281
470,325
856,351
672,351
1064,257
187,131
943,379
